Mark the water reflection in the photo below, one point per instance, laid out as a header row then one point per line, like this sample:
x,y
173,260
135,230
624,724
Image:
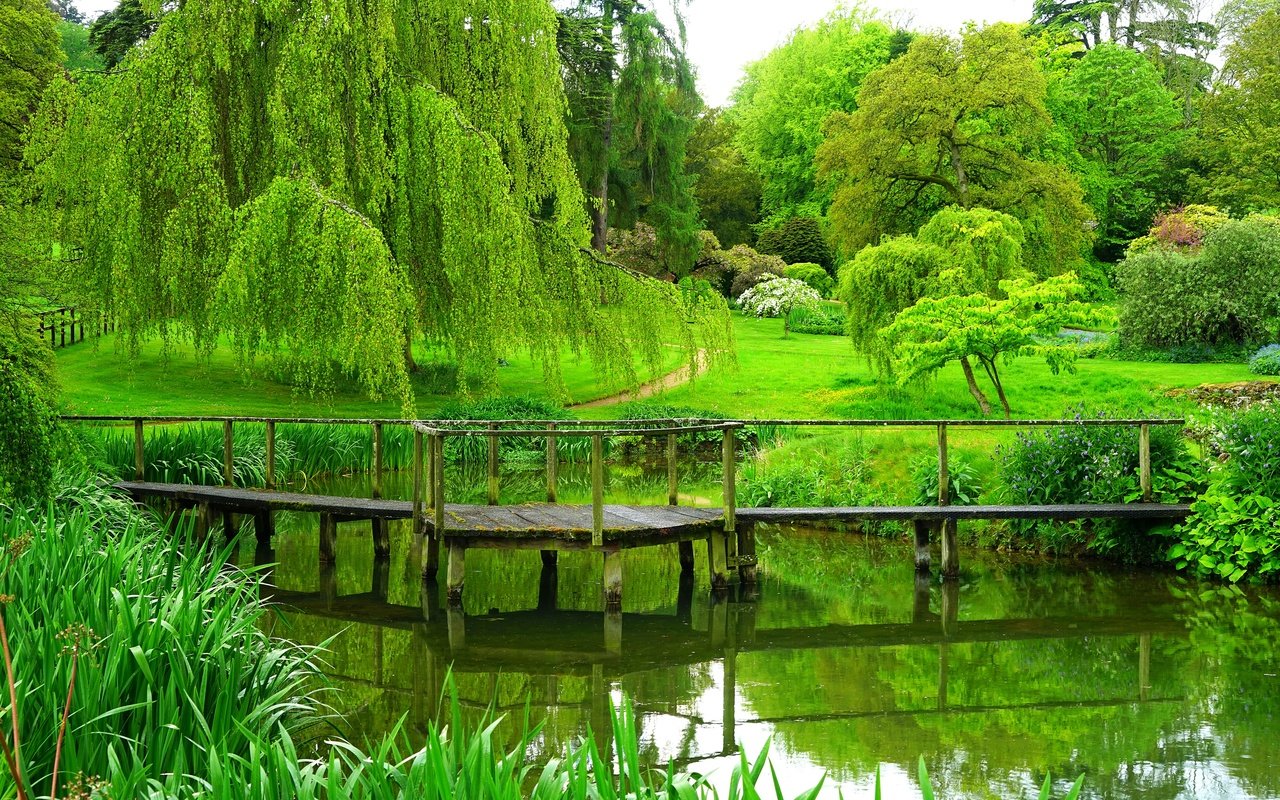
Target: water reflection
x,y
1152,685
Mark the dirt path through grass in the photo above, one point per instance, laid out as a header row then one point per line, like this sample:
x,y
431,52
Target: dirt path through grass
x,y
650,388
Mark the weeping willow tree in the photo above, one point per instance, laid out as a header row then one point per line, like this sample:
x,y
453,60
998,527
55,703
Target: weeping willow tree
x,y
324,181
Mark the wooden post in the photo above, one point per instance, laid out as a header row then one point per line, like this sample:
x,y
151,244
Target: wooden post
x,y
264,526
431,556
729,454
328,538
950,550
139,464
418,484
1144,666
377,459
204,520
923,558
457,572
686,557
673,492
718,561
944,478
747,554
613,627
493,466
613,580
271,454
381,541
228,454
553,464
62,328
597,490
1144,461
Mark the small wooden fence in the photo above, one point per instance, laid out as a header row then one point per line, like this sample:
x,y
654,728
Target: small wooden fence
x,y
66,325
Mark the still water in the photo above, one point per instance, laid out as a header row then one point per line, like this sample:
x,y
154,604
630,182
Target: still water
x,y
1150,684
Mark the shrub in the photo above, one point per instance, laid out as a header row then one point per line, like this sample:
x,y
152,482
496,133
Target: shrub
x,y
750,267
815,276
1179,229
824,321
29,430
1223,293
799,240
778,297
963,485
1266,361
1095,464
638,249
842,476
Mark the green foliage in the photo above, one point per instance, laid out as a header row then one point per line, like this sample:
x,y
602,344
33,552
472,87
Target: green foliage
x,y
964,485
727,188
837,476
454,155
828,320
31,45
119,30
78,53
1266,361
1234,529
813,275
954,123
29,428
784,99
1125,125
1239,131
798,240
937,331
984,247
1182,229
749,267
1095,464
1225,293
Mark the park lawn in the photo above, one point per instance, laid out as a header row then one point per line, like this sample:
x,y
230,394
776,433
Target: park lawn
x,y
102,380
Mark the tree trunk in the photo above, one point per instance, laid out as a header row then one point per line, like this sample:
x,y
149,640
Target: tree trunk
x,y
409,363
962,178
974,390
600,209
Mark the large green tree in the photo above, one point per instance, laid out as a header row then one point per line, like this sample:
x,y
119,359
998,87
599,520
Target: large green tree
x,y
317,179
727,188
786,96
959,252
1126,126
632,105
1239,135
30,57
954,122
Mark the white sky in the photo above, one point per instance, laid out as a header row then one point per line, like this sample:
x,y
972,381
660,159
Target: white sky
x,y
726,35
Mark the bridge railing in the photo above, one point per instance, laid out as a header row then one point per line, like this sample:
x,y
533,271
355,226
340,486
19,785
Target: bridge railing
x,y
598,430
429,441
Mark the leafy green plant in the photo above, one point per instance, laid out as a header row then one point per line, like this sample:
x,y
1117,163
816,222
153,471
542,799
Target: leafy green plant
x,y
963,485
814,275
1266,361
824,321
1230,537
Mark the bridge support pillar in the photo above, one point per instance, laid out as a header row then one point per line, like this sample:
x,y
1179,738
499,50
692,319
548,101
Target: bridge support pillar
x,y
550,558
264,526
228,523
430,556
718,561
747,554
457,572
613,580
381,579
381,541
923,559
328,538
686,557
204,519
950,550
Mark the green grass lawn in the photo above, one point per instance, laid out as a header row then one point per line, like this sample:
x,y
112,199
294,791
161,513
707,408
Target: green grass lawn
x,y
102,380
798,376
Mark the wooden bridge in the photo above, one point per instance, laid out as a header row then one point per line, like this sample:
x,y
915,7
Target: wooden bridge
x,y
599,527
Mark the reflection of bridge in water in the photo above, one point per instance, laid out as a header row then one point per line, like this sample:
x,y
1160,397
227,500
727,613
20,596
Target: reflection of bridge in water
x,y
547,643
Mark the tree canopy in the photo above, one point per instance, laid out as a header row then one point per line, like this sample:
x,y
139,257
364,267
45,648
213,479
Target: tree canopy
x,y
787,95
416,150
1126,126
954,122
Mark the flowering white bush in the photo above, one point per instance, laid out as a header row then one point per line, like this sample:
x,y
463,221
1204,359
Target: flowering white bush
x,y
778,297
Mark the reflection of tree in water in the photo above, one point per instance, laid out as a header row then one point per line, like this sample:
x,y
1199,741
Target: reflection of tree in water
x,y
1127,750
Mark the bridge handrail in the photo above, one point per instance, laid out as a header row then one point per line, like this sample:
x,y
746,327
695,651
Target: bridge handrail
x,y
672,421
